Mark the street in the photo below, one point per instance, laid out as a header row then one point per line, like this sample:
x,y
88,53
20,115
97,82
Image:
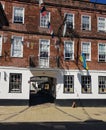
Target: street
x,y
90,125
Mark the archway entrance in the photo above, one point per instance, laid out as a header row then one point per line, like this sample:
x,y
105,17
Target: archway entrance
x,y
42,90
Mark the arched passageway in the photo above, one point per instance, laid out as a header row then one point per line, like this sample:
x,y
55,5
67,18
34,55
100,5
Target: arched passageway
x,y
42,90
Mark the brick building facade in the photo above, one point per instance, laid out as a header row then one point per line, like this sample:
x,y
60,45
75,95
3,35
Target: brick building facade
x,y
29,52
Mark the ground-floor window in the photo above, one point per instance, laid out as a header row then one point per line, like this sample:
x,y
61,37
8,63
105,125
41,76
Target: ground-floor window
x,y
86,84
68,84
102,84
15,83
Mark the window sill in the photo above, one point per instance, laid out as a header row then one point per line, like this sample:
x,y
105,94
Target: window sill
x,y
102,93
101,61
16,57
18,23
15,92
86,30
68,60
68,92
86,93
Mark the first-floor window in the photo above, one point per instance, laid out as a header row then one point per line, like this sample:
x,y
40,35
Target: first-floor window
x,y
15,83
86,22
17,46
102,52
86,84
68,50
68,84
44,53
101,24
44,20
102,84
86,50
69,20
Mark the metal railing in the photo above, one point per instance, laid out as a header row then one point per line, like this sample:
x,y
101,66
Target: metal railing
x,y
44,62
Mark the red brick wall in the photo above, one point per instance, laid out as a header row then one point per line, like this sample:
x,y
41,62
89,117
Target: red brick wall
x,y
30,31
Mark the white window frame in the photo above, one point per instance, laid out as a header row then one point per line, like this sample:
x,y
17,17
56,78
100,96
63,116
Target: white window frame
x,y
86,28
102,84
44,60
44,20
68,83
88,50
17,55
73,19
102,52
23,14
101,28
71,51
15,83
86,84
1,44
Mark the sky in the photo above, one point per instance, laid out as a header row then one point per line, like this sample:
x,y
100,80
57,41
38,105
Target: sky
x,y
99,1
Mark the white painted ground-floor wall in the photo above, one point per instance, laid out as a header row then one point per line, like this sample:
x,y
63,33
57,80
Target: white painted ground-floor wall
x,y
77,85
58,74
4,83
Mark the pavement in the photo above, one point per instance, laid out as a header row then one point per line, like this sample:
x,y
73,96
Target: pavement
x,y
49,112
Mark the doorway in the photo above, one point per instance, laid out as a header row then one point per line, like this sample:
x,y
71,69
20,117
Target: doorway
x,y
42,90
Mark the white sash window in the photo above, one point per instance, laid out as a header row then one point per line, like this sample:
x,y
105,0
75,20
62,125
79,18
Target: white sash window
x,y
44,50
17,47
102,52
68,50
86,50
44,20
18,15
86,22
101,24
70,20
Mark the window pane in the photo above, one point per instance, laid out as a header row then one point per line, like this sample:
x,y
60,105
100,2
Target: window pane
x,y
68,50
70,20
44,53
15,83
68,84
102,84
86,50
86,84
86,23
44,20
102,52
101,24
17,47
44,48
18,15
